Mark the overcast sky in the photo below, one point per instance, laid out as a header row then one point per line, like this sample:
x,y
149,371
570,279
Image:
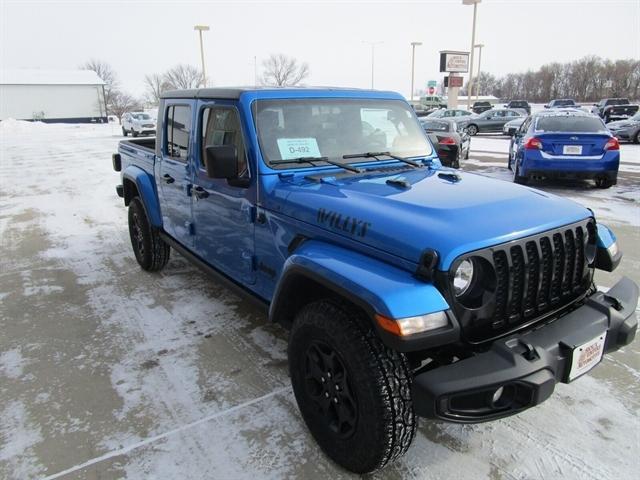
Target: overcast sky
x,y
138,37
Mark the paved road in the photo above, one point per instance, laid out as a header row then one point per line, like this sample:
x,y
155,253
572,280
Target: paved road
x,y
110,372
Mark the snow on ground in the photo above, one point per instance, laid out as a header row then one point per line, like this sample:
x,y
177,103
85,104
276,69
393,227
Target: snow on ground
x,y
107,371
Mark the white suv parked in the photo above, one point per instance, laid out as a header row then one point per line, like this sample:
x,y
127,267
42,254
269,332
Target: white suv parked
x,y
138,123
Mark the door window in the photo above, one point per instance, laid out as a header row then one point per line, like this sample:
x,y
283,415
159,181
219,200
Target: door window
x,y
221,126
178,121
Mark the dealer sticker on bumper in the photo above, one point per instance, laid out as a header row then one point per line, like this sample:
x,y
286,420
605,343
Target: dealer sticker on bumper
x,y
586,356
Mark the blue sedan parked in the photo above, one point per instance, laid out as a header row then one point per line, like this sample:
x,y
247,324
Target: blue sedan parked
x,y
564,144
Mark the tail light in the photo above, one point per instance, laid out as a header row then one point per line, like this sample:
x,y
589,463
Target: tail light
x,y
533,144
612,144
447,141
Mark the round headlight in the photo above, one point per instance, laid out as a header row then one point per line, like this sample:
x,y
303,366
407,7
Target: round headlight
x,y
462,277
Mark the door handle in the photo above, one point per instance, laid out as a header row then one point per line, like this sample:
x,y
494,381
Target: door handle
x,y
168,178
200,192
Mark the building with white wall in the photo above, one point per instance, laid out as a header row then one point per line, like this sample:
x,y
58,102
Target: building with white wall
x,y
68,96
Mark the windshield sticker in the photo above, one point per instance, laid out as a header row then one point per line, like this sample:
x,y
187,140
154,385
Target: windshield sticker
x,y
298,147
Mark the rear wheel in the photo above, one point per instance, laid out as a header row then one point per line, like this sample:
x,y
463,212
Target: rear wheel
x,y
472,130
603,182
151,252
516,173
636,139
353,392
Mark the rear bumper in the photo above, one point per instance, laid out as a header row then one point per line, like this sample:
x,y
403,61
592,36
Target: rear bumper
x,y
537,163
526,365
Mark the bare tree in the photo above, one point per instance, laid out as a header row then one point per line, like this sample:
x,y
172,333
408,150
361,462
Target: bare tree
x,y
121,103
155,84
181,77
280,70
107,74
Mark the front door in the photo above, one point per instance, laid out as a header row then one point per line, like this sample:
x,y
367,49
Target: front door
x,y
175,174
222,209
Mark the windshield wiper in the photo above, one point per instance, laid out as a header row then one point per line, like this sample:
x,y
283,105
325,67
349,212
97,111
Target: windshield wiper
x,y
376,155
310,160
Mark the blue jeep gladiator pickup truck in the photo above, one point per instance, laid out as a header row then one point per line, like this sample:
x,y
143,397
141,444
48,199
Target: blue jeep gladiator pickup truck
x,y
409,289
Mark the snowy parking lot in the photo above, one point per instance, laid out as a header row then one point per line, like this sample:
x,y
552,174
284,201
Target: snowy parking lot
x,y
107,371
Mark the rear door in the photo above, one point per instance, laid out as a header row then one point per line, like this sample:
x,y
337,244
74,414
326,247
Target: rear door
x,y
175,172
223,209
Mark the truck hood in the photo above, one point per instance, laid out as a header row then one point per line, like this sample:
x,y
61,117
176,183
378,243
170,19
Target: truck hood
x,y
449,211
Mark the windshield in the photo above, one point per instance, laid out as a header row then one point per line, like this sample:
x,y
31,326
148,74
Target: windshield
x,y
570,124
563,103
141,116
293,128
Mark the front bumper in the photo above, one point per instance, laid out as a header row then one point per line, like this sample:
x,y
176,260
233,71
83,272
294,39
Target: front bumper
x,y
526,365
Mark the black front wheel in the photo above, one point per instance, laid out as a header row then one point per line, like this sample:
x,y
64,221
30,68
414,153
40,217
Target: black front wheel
x,y
151,252
353,392
124,132
472,130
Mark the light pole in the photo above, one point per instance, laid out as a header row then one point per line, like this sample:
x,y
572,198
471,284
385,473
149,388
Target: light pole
x,y
473,42
479,46
373,47
200,29
413,62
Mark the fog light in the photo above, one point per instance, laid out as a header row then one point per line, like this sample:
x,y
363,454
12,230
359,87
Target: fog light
x,y
497,395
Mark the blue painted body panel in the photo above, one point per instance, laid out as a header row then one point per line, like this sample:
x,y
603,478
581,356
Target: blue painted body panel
x,y
606,237
147,188
363,234
389,290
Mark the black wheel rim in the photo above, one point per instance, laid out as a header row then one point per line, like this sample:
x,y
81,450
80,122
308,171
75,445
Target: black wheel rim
x,y
327,384
138,238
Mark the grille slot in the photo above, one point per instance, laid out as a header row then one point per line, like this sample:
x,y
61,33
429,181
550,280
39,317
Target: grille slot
x,y
534,277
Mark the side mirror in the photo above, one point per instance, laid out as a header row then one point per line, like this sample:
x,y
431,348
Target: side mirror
x,y
221,161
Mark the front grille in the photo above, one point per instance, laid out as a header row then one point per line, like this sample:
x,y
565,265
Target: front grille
x,y
523,281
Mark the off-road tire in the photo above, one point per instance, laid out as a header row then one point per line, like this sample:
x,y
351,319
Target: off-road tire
x,y
473,130
151,252
378,382
125,132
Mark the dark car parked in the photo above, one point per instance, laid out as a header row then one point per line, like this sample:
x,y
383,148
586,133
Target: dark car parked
x,y
628,130
523,104
479,107
610,109
562,103
451,141
489,121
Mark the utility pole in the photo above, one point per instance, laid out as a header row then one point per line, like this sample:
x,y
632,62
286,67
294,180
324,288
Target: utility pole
x,y
473,42
479,46
373,46
413,60
200,29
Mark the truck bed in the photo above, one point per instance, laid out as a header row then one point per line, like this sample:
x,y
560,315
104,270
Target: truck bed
x,y
140,152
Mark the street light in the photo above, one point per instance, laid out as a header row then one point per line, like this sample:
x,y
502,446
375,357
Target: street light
x,y
200,29
373,46
413,60
473,42
479,46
